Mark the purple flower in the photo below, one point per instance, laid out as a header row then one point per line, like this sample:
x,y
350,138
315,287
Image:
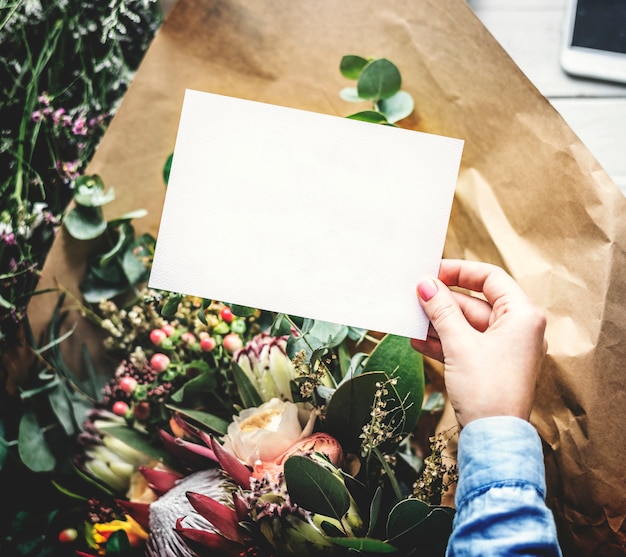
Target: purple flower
x,y
80,126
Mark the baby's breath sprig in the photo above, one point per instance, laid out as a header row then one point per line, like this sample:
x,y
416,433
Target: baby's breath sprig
x,y
438,474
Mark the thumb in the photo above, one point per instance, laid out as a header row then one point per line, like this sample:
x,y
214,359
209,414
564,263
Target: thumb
x,y
441,308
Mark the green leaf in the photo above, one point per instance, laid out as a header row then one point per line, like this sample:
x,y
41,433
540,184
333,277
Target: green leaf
x,y
137,257
315,488
375,510
62,409
349,409
369,116
280,326
85,223
117,543
250,397
397,107
136,214
167,169
89,192
371,545
404,516
170,307
331,334
32,445
194,390
242,311
4,448
351,95
351,66
211,422
429,533
122,236
380,79
396,357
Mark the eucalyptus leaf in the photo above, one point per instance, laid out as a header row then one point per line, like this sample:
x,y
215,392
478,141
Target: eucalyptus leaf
x,y
136,214
32,446
249,395
369,116
380,79
369,545
85,223
122,236
374,510
351,65
430,534
397,106
135,260
210,421
351,95
331,334
94,197
315,488
280,325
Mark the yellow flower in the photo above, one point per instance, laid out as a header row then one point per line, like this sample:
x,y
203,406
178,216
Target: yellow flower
x,y
101,532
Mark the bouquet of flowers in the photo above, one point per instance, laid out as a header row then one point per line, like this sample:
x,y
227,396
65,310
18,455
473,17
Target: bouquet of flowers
x,y
231,431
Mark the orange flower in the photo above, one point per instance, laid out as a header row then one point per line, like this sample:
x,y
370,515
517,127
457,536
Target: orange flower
x,y
102,531
318,443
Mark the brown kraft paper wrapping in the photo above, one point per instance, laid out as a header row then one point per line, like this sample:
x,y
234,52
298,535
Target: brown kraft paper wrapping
x,y
530,196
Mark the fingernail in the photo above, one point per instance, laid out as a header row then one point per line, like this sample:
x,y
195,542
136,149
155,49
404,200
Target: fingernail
x,y
427,289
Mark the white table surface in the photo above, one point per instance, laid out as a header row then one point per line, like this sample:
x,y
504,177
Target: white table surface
x,y
531,31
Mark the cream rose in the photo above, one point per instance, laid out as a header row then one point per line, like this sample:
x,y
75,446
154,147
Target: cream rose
x,y
266,432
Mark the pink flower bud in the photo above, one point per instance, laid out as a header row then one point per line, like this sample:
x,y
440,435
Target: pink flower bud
x,y
227,314
168,329
128,384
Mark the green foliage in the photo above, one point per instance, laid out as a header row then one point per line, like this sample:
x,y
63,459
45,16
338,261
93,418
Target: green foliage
x,y
378,81
126,261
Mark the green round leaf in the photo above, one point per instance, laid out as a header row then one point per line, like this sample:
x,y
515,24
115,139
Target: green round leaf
x,y
351,66
242,311
170,307
397,107
315,488
350,94
85,223
32,446
380,79
404,516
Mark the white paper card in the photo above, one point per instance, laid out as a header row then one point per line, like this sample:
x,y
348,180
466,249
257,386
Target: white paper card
x,y
303,213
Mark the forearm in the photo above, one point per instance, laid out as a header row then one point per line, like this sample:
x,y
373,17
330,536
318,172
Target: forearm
x,y
501,490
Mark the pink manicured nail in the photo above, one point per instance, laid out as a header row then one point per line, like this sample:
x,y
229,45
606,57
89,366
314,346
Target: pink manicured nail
x,y
427,289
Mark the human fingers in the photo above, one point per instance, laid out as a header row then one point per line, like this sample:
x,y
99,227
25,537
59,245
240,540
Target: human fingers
x,y
430,346
492,281
476,311
442,308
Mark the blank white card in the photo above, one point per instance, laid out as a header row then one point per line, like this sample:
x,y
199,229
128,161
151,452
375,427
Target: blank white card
x,y
303,213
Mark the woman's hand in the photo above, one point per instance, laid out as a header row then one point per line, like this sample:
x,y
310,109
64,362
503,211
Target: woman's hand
x,y
492,349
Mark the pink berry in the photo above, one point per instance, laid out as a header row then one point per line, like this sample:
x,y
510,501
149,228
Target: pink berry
x,y
188,338
128,384
141,410
168,329
157,336
207,344
159,362
68,535
227,314
120,408
232,342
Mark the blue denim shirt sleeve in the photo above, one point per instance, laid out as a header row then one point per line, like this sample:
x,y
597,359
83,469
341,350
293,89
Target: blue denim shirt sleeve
x,y
500,496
